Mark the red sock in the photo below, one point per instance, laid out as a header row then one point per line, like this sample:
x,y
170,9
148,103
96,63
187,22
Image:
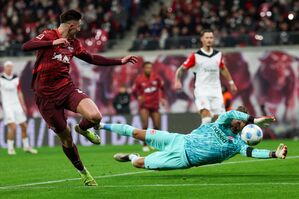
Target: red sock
x,y
73,156
86,124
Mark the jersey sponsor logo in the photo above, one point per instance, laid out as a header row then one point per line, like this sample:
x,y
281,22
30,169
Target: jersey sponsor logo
x,y
220,135
71,48
209,70
153,132
150,89
79,91
40,36
230,138
61,58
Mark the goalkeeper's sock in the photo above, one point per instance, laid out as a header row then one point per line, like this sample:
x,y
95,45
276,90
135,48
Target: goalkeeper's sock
x,y
133,157
121,129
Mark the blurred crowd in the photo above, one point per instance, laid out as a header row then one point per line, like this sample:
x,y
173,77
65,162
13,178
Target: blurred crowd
x,y
236,23
21,20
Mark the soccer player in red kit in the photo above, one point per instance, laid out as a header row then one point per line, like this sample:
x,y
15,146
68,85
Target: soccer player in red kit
x,y
55,90
149,89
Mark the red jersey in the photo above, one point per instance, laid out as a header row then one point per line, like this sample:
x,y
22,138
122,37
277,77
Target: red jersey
x,y
51,78
149,89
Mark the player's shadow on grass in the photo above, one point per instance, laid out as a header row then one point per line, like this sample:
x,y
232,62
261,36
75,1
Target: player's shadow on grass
x,y
219,176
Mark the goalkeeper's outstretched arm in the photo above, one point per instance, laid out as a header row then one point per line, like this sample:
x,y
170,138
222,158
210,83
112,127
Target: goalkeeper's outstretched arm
x,y
281,152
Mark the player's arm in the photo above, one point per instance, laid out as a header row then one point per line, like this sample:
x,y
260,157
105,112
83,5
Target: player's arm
x,y
136,91
189,63
281,152
104,61
41,42
263,121
21,99
162,92
226,74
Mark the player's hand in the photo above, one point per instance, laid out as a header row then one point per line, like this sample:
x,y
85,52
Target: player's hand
x,y
163,102
129,58
177,85
282,151
264,121
140,99
233,88
60,41
25,109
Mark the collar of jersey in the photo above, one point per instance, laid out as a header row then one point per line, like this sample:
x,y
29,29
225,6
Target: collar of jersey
x,y
7,76
205,52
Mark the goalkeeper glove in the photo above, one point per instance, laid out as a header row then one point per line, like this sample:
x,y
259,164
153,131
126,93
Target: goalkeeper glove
x,y
281,152
264,121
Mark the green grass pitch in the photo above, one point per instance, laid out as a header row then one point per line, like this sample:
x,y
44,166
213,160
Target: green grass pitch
x,y
50,175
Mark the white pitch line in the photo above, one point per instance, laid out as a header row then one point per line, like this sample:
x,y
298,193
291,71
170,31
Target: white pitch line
x,y
133,173
170,185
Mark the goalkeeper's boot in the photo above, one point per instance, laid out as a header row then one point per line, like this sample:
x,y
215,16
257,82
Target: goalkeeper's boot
x,y
91,136
87,179
123,157
281,151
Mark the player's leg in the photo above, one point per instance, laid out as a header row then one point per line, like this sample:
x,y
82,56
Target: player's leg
x,y
25,140
71,151
203,107
79,102
217,106
134,158
21,120
156,118
90,112
155,138
125,130
11,133
174,158
144,116
55,119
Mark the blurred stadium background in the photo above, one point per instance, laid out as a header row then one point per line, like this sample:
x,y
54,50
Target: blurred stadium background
x,y
259,39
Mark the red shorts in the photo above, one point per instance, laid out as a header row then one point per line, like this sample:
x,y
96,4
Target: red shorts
x,y
150,109
53,110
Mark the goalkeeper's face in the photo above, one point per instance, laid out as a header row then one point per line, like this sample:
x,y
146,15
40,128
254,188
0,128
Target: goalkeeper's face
x,y
237,126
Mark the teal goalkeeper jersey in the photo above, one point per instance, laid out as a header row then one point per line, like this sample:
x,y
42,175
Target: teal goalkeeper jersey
x,y
215,142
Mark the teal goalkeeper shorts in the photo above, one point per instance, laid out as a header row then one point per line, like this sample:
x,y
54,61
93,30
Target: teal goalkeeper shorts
x,y
171,154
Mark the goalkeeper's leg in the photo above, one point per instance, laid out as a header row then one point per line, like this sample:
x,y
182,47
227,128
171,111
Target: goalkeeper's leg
x,y
125,130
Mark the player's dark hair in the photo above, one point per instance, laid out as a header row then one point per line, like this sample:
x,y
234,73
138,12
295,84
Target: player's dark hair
x,y
70,15
242,109
205,31
146,63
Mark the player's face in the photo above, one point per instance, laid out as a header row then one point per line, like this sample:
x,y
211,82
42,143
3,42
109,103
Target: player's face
x,y
237,126
148,69
8,69
207,39
74,27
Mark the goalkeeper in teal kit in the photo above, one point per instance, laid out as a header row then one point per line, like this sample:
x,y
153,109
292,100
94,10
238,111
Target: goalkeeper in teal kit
x,y
208,144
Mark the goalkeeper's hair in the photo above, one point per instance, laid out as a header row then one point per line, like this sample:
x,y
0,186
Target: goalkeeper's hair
x,y
242,109
70,15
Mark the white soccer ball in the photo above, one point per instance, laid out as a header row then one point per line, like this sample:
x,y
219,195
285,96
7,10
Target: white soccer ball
x,y
252,134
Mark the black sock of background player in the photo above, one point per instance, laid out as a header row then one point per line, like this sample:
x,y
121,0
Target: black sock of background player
x,y
73,156
86,124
